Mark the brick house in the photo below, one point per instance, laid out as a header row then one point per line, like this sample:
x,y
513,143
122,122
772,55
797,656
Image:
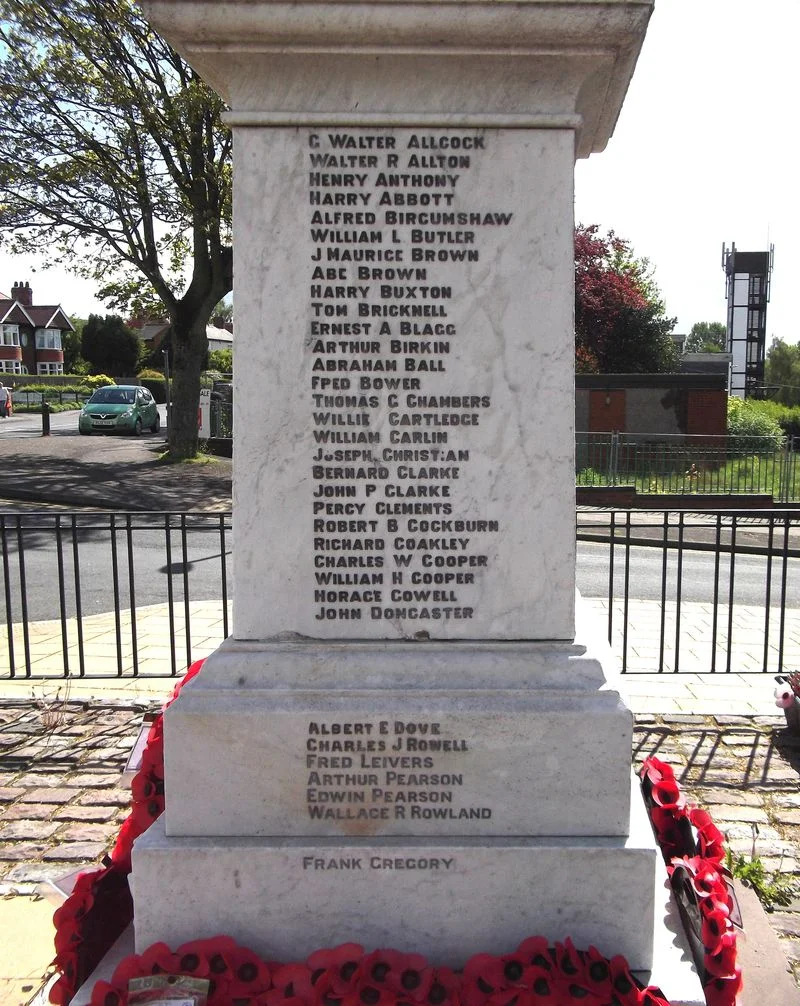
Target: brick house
x,y
30,334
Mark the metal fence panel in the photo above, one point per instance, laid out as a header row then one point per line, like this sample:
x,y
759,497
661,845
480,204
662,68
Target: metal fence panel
x,y
688,464
706,593
119,595
111,594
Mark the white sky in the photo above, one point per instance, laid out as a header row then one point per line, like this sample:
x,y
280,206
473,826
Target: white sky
x,y
704,152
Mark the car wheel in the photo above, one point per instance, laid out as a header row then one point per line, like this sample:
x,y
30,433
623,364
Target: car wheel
x,y
137,427
157,424
84,433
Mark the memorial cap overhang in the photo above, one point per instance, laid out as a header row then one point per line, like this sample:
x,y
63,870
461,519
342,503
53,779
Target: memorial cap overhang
x,y
542,64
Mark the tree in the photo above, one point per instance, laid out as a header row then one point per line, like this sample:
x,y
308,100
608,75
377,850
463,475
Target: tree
x,y
751,428
74,363
221,360
782,372
113,157
707,337
223,315
109,346
620,320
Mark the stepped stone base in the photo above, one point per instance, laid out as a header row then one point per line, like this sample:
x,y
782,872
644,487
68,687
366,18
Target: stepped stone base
x,y
672,970
448,898
306,738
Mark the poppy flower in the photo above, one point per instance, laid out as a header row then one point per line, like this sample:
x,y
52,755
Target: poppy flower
x,y
104,994
667,793
192,672
483,976
511,997
377,966
66,986
249,973
79,901
710,840
158,959
367,994
722,963
129,967
653,997
325,992
544,986
411,977
145,786
570,962
714,926
656,770
668,832
723,991
704,877
68,936
597,973
622,981
444,987
536,950
514,967
291,981
340,964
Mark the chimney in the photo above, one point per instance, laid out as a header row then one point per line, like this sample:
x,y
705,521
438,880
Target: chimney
x,y
22,294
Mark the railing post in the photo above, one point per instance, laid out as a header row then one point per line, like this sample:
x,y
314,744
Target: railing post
x,y
613,459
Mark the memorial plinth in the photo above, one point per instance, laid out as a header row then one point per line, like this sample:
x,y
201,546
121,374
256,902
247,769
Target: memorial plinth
x,y
406,741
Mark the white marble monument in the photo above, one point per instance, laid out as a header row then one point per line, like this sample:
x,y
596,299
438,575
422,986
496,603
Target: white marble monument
x,y
406,730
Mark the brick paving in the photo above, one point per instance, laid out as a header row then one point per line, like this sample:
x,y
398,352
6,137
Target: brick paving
x,y
61,802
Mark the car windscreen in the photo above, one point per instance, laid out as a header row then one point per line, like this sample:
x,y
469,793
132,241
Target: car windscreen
x,y
112,396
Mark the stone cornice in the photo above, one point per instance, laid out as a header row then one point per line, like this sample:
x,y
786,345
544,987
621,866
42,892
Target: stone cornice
x,y
535,62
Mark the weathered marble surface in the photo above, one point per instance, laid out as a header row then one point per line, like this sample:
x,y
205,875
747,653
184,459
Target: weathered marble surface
x,y
540,742
532,63
279,896
512,352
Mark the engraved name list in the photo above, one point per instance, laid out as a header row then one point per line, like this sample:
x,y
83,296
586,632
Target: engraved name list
x,y
398,238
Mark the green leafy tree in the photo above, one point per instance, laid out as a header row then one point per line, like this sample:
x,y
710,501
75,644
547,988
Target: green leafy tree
x,y
621,326
109,346
706,337
223,315
113,157
221,360
751,428
782,372
74,363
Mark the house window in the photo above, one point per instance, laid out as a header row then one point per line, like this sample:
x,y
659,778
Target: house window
x,y
49,368
11,367
48,338
9,335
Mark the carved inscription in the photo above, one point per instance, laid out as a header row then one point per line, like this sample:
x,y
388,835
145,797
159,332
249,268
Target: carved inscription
x,y
387,770
395,536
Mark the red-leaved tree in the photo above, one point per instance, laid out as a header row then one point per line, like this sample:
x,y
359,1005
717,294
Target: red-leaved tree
x,y
620,321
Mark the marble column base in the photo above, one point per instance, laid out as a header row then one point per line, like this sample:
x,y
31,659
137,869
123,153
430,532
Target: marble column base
x,y
448,898
308,738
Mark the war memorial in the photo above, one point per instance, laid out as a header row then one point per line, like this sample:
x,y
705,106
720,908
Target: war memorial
x,y
413,737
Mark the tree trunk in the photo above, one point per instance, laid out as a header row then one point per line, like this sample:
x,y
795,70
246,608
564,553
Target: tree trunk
x,y
189,346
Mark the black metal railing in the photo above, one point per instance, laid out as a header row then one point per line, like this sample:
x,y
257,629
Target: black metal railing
x,y
695,592
684,464
112,594
104,595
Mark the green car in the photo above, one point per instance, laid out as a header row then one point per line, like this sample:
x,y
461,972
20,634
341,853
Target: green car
x,y
126,408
